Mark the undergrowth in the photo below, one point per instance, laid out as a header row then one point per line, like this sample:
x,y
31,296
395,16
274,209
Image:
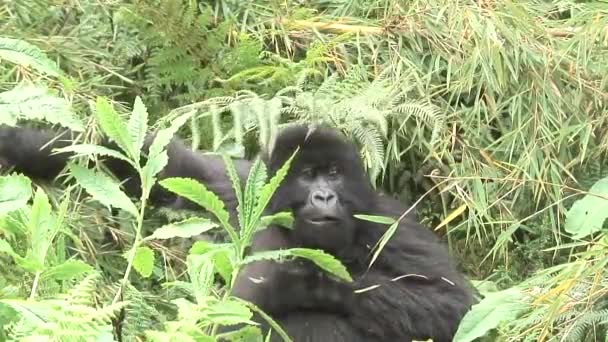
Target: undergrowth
x,y
489,116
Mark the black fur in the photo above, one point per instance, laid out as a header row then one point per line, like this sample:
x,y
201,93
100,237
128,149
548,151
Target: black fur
x,y
29,150
414,289
417,291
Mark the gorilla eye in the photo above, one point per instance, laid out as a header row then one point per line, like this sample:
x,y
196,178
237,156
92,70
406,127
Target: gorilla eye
x,y
308,172
333,171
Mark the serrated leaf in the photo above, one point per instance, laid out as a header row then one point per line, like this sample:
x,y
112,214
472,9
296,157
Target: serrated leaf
x,y
15,192
219,255
6,247
236,185
157,154
201,272
174,336
197,193
42,227
247,333
154,165
268,190
163,137
35,103
587,215
223,264
277,255
183,229
494,309
23,53
229,312
143,262
325,261
284,219
102,188
202,247
255,183
28,264
138,126
90,150
376,219
113,126
67,270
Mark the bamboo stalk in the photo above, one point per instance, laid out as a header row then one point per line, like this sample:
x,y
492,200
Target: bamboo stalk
x,y
563,32
376,30
334,27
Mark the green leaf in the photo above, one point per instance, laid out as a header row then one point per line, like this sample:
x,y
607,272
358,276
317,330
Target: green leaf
x,y
23,53
265,194
42,226
154,165
587,215
325,261
229,312
494,309
157,154
197,193
201,272
223,263
284,219
383,241
67,270
15,192
90,150
219,255
164,136
376,219
27,102
183,229
277,255
102,188
28,264
173,336
236,185
247,333
6,248
143,262
113,126
138,126
255,183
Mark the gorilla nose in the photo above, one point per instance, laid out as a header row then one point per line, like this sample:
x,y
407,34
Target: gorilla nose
x,y
323,198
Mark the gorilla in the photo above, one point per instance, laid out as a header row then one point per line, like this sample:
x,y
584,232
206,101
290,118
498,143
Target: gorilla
x,y
413,291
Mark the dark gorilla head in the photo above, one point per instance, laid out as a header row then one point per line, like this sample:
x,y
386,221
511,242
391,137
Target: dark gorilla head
x,y
325,186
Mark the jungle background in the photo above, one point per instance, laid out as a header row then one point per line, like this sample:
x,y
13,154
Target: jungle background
x,y
491,117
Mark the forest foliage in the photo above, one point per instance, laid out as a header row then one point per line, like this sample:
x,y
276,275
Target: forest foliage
x,y
490,116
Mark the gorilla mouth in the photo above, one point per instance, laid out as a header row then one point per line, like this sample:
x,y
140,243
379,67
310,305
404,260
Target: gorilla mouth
x,y
323,220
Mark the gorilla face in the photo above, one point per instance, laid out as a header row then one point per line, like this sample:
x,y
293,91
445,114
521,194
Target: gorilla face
x,y
322,217
325,186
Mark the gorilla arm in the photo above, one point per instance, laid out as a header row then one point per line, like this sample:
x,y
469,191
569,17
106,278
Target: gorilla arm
x,y
278,288
291,293
29,151
412,292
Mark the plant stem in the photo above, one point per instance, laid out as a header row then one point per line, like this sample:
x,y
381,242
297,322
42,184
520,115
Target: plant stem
x,y
140,224
35,285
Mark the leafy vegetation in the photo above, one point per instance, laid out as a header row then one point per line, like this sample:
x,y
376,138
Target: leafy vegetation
x,y
488,116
